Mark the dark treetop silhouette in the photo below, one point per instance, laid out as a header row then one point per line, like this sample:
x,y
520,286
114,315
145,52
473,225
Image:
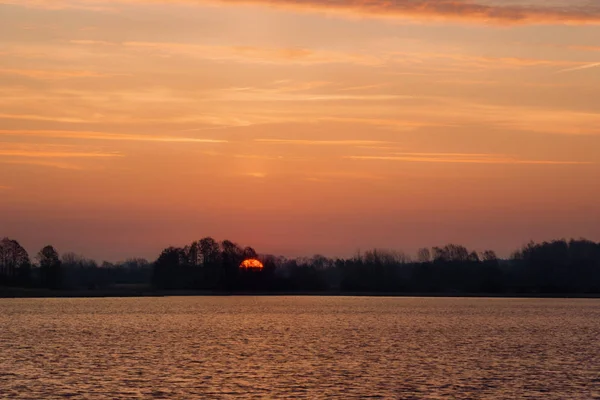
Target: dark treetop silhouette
x,y
557,267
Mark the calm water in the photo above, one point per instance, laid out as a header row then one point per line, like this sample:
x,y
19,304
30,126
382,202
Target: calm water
x,y
299,347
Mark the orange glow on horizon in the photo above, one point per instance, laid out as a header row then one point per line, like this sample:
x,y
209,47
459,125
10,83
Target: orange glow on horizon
x,y
336,126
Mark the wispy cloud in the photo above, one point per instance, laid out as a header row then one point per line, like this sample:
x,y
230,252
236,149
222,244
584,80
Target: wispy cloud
x,y
92,42
251,94
29,150
361,88
256,156
89,5
322,142
297,55
44,163
53,74
258,175
487,12
316,56
55,154
4,187
462,158
38,117
586,66
332,176
108,136
398,124
584,48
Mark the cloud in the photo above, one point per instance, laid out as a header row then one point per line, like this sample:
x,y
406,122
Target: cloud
x,y
331,176
109,136
584,48
104,111
34,117
259,175
462,158
321,142
314,56
51,151
399,123
276,94
53,74
256,156
256,54
362,87
486,12
56,154
43,163
90,5
586,66
92,42
4,187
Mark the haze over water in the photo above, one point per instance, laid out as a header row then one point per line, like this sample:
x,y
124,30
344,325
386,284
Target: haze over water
x,y
299,347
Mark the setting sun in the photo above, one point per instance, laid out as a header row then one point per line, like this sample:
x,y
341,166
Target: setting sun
x,y
251,264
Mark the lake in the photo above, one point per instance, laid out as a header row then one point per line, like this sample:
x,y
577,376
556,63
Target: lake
x,y
299,347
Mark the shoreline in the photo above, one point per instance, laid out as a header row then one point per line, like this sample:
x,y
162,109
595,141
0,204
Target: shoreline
x,y
24,293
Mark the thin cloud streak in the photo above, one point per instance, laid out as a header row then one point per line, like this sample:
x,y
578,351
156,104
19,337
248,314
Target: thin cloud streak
x,y
479,155
259,175
255,54
581,67
322,142
585,48
34,117
56,154
491,159
400,124
53,74
26,150
109,136
43,163
434,10
313,56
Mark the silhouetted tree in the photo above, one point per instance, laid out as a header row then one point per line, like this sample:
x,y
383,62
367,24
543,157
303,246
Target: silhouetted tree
x,y
559,266
424,255
450,253
81,272
170,268
232,256
50,267
211,252
473,256
249,252
194,254
15,265
489,256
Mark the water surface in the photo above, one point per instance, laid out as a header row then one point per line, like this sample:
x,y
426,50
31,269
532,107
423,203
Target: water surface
x,y
299,347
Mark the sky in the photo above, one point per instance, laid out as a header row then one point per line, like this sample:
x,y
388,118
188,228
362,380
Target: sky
x,y
298,126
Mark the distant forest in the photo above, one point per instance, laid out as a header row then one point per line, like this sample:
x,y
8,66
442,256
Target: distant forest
x,y
557,267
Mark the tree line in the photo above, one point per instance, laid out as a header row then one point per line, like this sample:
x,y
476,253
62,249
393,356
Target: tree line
x,y
555,267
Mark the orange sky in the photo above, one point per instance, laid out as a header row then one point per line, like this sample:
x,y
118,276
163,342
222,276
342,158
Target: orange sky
x,y
298,127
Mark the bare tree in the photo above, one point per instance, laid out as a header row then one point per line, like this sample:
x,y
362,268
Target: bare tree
x,y
50,266
451,253
14,260
424,255
249,252
489,255
210,250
